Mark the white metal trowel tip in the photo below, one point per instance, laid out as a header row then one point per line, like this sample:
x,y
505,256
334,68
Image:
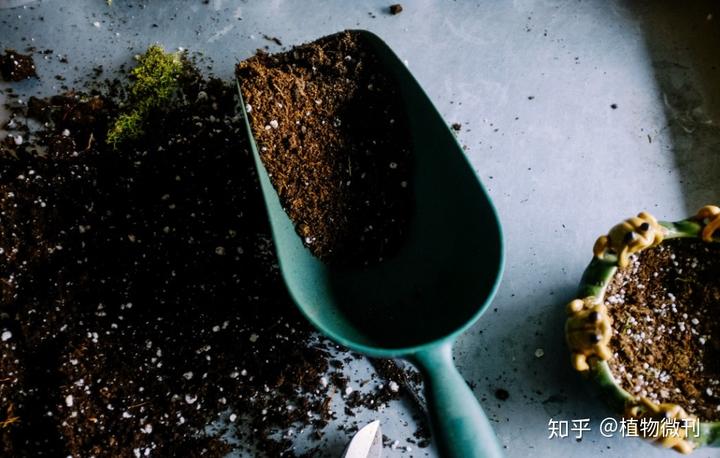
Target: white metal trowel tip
x,y
366,443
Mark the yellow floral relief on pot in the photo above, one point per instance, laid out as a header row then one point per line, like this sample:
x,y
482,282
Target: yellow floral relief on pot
x,y
709,216
674,423
588,330
631,236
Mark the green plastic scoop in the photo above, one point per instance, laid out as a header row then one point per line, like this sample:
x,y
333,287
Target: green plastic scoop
x,y
414,304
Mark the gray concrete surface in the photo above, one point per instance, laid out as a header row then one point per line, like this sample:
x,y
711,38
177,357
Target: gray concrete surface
x,y
532,82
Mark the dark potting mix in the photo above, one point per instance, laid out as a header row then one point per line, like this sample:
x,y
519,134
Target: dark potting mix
x,y
140,298
331,130
16,67
666,339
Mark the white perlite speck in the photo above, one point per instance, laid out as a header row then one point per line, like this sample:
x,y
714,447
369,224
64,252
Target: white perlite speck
x,y
233,417
147,429
323,381
190,399
254,337
394,387
69,400
539,353
274,124
6,335
348,390
188,375
97,24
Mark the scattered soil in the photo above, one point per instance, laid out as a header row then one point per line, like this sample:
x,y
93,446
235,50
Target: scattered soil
x,y
334,140
17,67
666,339
275,40
140,298
396,8
398,380
457,126
502,394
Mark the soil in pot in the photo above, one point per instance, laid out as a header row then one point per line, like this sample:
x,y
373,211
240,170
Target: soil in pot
x,y
334,139
666,340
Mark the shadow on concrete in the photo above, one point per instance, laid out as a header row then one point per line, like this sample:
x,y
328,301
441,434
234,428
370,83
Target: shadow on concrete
x,y
683,42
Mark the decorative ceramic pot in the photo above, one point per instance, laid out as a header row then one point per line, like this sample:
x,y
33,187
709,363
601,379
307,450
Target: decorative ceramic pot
x,y
588,328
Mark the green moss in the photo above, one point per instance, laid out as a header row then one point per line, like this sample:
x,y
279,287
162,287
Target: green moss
x,y
126,126
155,80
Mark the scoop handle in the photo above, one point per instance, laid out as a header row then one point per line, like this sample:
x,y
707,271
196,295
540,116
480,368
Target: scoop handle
x,y
459,425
